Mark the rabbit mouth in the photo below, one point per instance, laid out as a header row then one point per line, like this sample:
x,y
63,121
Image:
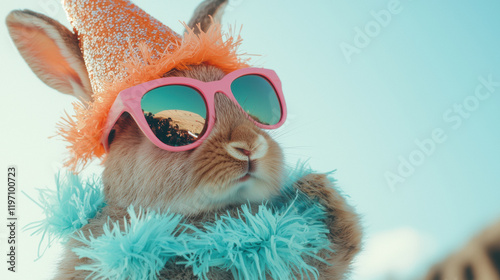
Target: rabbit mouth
x,y
245,178
251,168
250,187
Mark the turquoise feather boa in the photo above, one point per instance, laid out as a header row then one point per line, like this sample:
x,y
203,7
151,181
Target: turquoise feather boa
x,y
273,241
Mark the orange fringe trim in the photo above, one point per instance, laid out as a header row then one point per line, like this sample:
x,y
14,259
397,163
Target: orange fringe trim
x,y
84,130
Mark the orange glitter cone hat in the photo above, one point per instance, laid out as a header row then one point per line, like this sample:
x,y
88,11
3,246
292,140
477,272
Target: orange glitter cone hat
x,y
123,46
109,30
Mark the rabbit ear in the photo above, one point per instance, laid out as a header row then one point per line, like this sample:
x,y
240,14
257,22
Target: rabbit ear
x,y
213,8
52,52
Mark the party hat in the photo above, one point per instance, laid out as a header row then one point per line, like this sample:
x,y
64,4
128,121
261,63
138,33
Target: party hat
x,y
123,46
111,31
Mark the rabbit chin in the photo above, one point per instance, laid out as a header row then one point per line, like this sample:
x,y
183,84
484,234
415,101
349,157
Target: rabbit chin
x,y
208,198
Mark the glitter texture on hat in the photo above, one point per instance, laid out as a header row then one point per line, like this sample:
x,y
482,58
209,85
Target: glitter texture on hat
x,y
123,46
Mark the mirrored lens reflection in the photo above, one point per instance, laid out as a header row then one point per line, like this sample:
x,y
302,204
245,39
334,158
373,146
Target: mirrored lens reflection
x,y
258,98
176,114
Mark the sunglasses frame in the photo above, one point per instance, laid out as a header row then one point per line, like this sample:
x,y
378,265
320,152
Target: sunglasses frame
x,y
129,100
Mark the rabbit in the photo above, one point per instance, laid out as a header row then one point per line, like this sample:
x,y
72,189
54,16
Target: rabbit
x,y
197,183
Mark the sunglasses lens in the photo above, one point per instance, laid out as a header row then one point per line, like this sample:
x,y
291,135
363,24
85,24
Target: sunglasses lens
x,y
176,114
258,98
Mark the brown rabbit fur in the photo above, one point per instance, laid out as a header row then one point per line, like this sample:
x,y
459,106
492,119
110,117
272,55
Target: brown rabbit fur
x,y
197,183
149,176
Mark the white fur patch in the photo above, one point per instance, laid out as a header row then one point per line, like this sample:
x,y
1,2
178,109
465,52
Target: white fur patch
x,y
258,149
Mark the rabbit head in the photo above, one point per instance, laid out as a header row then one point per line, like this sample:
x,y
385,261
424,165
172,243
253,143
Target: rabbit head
x,y
237,162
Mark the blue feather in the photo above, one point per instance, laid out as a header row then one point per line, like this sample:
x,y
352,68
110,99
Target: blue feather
x,y
273,242
138,251
67,209
270,242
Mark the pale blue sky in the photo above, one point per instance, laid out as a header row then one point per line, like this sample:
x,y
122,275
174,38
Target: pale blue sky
x,y
360,117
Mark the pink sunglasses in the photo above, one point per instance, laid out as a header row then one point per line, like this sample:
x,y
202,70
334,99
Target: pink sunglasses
x,y
178,113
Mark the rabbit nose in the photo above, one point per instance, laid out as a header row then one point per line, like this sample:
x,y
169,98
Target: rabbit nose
x,y
243,151
237,152
248,149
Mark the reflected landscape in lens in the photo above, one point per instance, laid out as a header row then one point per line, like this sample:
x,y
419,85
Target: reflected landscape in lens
x,y
258,98
176,114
